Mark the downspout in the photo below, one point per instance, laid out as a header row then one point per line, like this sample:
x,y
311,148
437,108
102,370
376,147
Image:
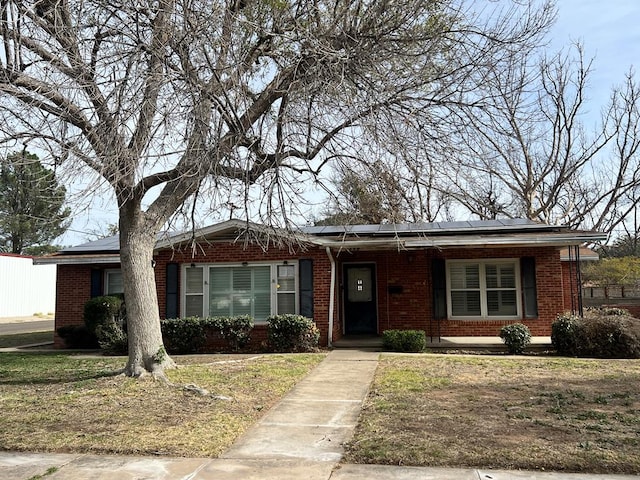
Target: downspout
x,y
331,296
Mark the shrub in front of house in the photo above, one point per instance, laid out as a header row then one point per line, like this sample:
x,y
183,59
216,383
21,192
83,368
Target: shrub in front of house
x,y
77,336
292,333
183,335
112,337
404,340
601,333
608,311
516,337
236,331
100,310
609,335
104,326
565,333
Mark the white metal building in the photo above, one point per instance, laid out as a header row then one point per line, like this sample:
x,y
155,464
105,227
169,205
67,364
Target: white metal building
x,y
25,288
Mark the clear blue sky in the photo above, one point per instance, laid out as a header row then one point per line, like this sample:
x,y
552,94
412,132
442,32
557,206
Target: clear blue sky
x,y
608,29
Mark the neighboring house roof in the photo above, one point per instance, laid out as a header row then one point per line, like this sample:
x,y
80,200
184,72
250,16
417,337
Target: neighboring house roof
x,y
471,234
586,255
15,255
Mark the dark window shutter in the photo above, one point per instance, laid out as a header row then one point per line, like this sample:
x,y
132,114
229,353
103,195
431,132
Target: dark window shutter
x,y
305,267
96,282
529,291
439,283
171,310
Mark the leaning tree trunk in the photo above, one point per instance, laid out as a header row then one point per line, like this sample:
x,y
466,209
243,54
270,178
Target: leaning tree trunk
x,y
146,349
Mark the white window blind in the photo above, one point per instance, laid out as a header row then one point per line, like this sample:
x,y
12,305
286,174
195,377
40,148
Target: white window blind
x,y
501,290
465,290
240,291
483,288
230,290
114,283
194,292
286,289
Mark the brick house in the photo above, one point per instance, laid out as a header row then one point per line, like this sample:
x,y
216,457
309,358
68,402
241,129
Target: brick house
x,y
448,279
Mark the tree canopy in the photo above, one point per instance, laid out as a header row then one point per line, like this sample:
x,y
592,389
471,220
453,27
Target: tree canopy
x,y
32,204
523,150
174,102
612,271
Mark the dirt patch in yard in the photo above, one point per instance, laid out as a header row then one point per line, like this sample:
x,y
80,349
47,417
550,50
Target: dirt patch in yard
x,y
512,412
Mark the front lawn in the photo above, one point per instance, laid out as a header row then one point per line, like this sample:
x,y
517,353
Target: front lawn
x,y
511,413
20,339
75,403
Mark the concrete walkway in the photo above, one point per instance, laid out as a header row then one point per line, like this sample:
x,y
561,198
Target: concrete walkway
x,y
302,437
314,420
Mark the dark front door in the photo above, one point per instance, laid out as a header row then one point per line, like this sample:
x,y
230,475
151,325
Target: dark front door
x,y
360,306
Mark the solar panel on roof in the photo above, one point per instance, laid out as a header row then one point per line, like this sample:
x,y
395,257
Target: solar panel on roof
x,y
434,228
111,244
103,244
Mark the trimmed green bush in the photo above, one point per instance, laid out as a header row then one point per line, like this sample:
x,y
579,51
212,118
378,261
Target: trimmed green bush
x,y
183,335
565,333
516,337
235,330
112,337
404,340
292,333
100,310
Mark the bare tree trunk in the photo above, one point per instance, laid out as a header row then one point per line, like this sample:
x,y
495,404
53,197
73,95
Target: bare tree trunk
x,y
146,349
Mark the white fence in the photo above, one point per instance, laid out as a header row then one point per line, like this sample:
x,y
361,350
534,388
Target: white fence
x,y
25,288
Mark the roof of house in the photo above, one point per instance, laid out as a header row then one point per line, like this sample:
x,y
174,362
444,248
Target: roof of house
x,y
435,228
15,255
584,254
470,234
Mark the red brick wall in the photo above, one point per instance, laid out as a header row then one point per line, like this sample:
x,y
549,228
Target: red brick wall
x,y
74,282
569,283
73,289
233,253
409,309
412,309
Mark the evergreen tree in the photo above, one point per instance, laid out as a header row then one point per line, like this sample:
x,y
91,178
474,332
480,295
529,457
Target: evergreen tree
x,y
32,211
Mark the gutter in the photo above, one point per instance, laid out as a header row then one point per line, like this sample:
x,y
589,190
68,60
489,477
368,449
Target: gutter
x,y
332,296
77,259
561,240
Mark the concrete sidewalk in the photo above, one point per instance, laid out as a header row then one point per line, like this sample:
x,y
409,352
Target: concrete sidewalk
x,y
302,437
18,466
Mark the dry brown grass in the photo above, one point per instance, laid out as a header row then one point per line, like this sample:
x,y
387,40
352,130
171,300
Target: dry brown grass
x,y
509,412
62,403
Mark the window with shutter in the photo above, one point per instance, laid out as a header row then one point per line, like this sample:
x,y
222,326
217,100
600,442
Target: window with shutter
x,y
231,290
483,288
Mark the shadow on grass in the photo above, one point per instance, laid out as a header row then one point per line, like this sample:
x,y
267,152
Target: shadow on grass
x,y
17,340
46,368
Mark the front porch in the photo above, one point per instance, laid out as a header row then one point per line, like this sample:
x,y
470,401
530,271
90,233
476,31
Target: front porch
x,y
374,342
